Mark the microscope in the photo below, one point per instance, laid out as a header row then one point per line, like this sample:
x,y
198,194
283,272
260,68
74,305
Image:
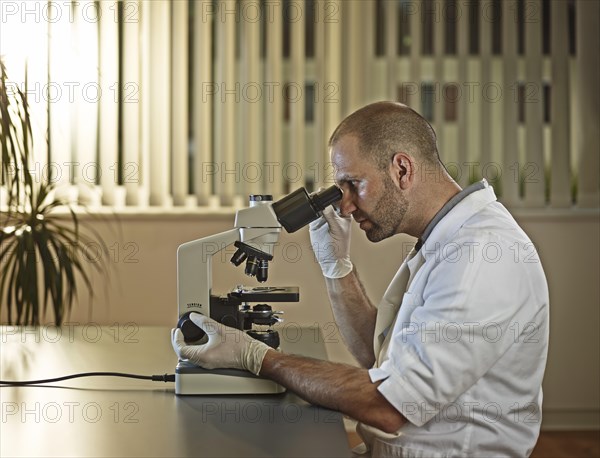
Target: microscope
x,y
255,234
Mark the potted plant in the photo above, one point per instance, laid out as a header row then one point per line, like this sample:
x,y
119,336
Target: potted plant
x,y
42,245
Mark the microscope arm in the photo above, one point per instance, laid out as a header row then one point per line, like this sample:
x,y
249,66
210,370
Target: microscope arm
x,y
194,264
194,270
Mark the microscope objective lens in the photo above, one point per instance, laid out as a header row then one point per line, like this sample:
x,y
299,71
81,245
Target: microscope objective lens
x,y
251,266
263,271
238,257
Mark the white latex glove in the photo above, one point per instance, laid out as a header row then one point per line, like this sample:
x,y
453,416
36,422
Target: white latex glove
x,y
330,240
226,347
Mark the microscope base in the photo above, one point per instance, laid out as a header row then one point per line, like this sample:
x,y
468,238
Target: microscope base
x,y
190,379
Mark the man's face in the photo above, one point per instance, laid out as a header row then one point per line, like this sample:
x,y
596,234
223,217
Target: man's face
x,y
370,194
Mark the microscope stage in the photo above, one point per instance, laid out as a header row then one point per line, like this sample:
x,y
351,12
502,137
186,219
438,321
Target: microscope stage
x,y
266,293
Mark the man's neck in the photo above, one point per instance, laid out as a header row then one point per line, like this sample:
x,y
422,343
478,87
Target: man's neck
x,y
433,201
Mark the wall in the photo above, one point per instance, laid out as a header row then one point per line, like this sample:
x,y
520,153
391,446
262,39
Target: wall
x,y
569,249
142,290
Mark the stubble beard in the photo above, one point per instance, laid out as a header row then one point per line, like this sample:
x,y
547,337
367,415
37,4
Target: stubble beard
x,y
388,213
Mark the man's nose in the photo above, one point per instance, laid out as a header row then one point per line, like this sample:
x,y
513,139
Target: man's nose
x,y
347,206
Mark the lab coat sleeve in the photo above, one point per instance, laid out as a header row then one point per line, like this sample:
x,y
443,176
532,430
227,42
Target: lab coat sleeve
x,y
463,318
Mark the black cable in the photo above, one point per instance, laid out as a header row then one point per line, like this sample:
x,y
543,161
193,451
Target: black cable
x,y
155,378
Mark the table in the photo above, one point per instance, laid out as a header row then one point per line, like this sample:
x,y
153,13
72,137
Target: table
x,y
106,417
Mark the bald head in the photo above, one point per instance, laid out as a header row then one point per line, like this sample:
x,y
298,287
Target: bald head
x,y
386,128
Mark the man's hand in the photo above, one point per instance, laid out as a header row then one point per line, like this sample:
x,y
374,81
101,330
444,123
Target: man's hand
x,y
226,347
330,240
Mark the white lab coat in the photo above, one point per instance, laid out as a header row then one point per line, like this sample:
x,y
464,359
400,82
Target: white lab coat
x,y
465,354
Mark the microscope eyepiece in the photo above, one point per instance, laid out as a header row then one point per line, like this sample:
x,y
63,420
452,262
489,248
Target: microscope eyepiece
x,y
323,199
297,209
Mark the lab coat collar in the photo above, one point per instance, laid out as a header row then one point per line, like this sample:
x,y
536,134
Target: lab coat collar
x,y
448,206
457,216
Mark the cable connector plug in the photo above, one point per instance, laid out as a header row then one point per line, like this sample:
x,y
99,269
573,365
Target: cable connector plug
x,y
163,378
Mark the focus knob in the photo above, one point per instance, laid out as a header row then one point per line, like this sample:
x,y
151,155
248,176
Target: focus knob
x,y
191,332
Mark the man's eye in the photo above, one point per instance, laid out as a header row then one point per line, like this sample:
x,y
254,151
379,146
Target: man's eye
x,y
350,185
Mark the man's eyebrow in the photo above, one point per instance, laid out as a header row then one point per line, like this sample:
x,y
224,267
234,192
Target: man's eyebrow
x,y
345,178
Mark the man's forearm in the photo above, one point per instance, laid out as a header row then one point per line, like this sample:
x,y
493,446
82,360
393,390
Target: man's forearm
x,y
355,316
336,386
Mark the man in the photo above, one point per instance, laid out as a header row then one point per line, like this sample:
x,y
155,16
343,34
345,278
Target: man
x,y
453,356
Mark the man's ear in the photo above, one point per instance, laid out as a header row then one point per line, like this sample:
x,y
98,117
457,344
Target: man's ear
x,y
402,170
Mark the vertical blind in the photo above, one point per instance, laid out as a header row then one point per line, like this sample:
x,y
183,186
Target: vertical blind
x,y
193,104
